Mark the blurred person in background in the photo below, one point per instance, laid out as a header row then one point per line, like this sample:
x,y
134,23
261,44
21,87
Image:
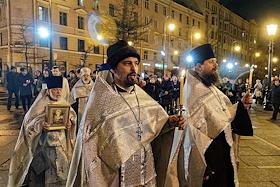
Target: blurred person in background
x,y
12,87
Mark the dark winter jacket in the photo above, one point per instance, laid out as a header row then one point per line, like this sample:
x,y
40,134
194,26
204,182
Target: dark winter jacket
x,y
24,87
275,95
166,99
153,90
175,90
12,81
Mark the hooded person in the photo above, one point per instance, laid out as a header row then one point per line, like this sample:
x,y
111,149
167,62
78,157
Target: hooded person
x,y
118,125
42,157
80,92
205,152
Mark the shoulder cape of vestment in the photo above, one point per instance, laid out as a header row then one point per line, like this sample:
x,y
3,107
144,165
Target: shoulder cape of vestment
x,y
107,136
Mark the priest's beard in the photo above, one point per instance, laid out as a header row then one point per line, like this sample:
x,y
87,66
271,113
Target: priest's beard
x,y
210,78
131,79
54,97
86,80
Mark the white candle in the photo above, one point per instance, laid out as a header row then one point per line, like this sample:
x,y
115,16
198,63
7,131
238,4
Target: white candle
x,y
182,87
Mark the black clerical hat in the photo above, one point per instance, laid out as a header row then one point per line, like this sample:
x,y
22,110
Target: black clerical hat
x,y
202,53
117,52
54,82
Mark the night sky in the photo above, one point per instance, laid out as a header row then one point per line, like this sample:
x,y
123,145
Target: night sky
x,y
259,10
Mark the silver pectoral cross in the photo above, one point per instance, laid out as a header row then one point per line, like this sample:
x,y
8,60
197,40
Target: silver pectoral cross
x,y
139,133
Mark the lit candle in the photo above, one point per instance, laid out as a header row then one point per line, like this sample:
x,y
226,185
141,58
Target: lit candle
x,y
182,88
251,77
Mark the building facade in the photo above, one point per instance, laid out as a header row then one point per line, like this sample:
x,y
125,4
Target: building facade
x,y
226,30
25,36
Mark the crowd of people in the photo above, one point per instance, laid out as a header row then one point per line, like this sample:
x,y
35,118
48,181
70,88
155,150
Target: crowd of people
x,y
122,128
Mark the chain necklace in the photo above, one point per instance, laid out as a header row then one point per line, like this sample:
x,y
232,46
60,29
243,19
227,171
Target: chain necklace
x,y
216,94
139,130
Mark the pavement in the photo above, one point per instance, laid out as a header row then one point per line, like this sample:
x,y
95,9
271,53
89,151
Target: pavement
x,y
259,155
10,122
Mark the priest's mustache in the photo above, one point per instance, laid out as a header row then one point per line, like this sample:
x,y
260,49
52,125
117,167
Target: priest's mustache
x,y
133,74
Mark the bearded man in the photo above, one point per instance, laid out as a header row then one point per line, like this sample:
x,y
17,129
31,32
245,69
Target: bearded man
x,y
42,157
80,92
206,154
119,123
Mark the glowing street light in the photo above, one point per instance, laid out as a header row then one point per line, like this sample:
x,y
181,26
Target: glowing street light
x,y
265,68
189,58
224,60
271,29
236,63
247,65
274,69
171,26
197,35
255,66
99,37
164,55
176,52
274,59
257,54
43,32
229,66
271,32
237,48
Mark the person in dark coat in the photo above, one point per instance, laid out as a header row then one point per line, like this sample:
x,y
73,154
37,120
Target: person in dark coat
x,y
37,82
25,88
152,88
12,87
75,78
166,94
275,98
175,93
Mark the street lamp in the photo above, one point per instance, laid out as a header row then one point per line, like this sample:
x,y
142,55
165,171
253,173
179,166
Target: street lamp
x,y
43,32
196,35
171,27
51,36
234,47
271,31
237,48
257,54
274,59
100,38
189,59
229,66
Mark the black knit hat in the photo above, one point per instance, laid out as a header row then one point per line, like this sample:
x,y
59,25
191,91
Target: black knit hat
x,y
54,82
202,53
116,53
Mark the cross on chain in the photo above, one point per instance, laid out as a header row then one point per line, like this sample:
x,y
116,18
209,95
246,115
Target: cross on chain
x,y
139,133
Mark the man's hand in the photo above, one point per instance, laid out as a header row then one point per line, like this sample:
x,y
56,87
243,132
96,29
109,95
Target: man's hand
x,y
69,125
46,126
247,100
177,121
